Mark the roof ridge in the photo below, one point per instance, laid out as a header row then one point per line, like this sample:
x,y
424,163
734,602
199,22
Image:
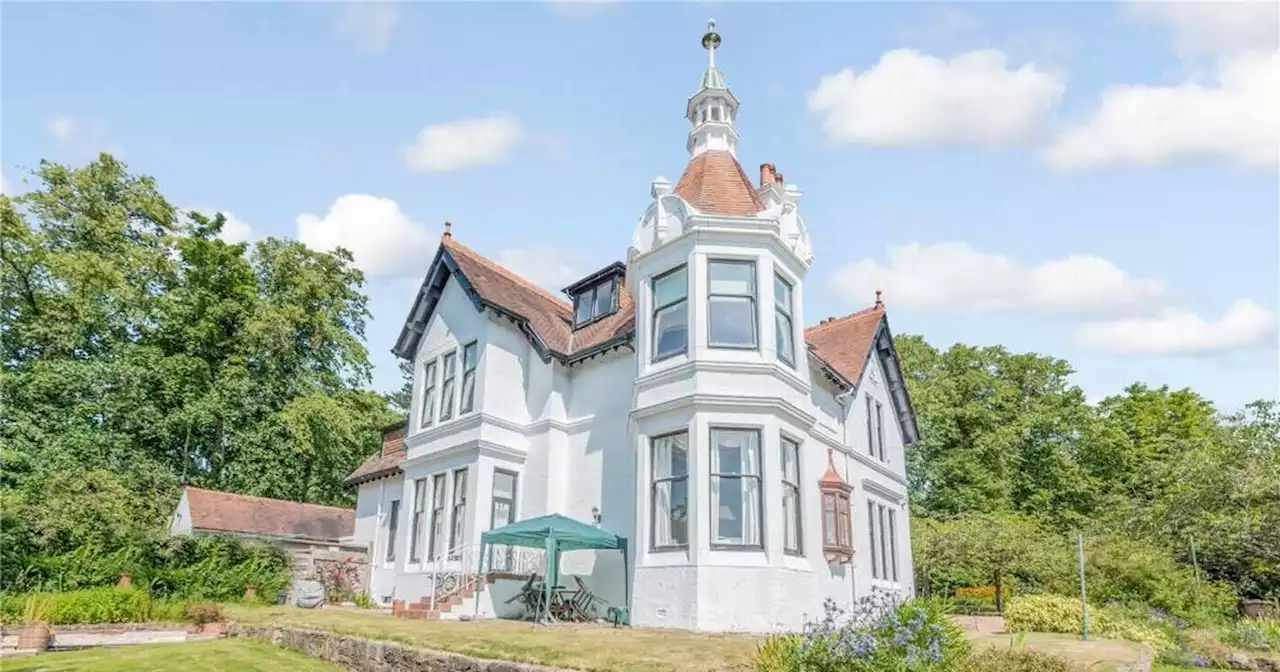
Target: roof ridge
x,y
450,241
269,499
840,320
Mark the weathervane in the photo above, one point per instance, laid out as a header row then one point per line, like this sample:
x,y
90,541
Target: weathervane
x,y
711,42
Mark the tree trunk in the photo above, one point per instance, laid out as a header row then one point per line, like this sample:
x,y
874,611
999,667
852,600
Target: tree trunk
x,y
999,594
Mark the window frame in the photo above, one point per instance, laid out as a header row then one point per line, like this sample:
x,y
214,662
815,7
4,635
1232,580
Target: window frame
x,y
871,430
893,543
393,529
457,511
788,358
719,545
797,519
653,314
841,521
427,416
880,431
467,397
448,383
653,493
593,314
753,299
438,483
500,560
415,526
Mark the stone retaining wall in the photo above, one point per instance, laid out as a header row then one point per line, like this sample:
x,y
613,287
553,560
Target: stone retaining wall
x,y
367,655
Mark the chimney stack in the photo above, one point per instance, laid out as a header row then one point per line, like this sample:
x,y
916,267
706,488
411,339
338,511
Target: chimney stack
x,y
448,230
879,303
768,174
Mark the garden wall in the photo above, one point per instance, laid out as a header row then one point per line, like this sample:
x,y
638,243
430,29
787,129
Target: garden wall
x,y
365,655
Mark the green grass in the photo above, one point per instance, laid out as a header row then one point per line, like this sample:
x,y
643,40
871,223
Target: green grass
x,y
222,655
1094,654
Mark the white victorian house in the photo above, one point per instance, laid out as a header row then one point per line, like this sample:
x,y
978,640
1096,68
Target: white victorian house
x,y
755,465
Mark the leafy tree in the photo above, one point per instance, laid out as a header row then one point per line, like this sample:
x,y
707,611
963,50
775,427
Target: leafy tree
x,y
141,352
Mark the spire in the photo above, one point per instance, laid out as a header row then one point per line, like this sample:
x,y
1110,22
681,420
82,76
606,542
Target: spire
x,y
712,109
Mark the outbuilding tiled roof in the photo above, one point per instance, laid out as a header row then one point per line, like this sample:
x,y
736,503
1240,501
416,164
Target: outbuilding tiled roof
x,y
715,183
218,511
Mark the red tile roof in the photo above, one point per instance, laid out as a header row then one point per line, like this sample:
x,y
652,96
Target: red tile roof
x,y
843,343
549,317
715,183
214,510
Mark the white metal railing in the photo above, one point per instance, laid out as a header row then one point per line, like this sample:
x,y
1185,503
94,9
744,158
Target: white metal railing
x,y
454,571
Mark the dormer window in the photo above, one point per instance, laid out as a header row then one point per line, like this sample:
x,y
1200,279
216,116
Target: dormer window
x,y
596,296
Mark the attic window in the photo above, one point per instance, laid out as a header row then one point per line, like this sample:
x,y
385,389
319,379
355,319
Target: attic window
x,y
595,302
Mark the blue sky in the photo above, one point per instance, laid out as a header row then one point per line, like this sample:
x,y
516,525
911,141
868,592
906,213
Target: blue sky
x,y
1093,181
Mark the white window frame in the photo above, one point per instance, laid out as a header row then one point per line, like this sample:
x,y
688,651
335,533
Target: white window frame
x,y
438,512
467,396
416,521
448,381
655,481
716,477
784,313
679,304
795,520
752,299
428,415
882,523
458,512
393,529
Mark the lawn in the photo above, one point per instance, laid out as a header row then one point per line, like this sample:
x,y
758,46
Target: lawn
x,y
1094,654
222,655
582,647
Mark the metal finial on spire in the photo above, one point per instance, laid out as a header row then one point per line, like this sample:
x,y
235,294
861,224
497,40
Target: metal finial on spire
x,y
711,42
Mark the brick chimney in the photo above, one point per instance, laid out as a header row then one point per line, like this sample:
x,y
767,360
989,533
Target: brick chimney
x,y
768,174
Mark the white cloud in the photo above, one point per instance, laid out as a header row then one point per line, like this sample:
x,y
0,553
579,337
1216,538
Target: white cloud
x,y
954,277
910,98
234,229
81,138
547,267
381,238
1223,27
1182,332
1238,117
368,24
464,143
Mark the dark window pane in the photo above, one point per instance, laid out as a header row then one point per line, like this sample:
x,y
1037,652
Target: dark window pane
x,y
733,321
671,332
671,287
604,299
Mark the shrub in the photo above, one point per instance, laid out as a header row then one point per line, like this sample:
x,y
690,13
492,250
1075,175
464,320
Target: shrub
x,y
778,653
363,601
339,579
1054,613
1016,660
96,605
877,633
1262,634
202,613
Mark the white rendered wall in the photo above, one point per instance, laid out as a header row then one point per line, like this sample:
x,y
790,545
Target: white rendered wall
x,y
180,522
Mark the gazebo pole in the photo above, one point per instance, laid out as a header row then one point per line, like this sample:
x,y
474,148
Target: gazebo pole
x,y
551,569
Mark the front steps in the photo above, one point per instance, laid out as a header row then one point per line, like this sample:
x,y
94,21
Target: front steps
x,y
422,610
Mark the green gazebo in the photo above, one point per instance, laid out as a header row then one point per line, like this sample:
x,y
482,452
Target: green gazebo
x,y
555,534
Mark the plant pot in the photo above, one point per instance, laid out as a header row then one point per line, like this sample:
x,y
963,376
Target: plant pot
x,y
34,636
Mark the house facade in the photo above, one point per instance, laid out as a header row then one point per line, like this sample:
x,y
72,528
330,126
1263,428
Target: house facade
x,y
755,465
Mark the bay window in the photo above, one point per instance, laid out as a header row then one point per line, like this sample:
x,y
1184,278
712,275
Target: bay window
x,y
470,353
669,491
670,314
735,488
837,520
790,496
784,342
731,304
447,364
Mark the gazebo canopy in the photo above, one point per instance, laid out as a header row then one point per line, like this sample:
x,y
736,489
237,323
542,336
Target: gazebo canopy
x,y
569,534
555,534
